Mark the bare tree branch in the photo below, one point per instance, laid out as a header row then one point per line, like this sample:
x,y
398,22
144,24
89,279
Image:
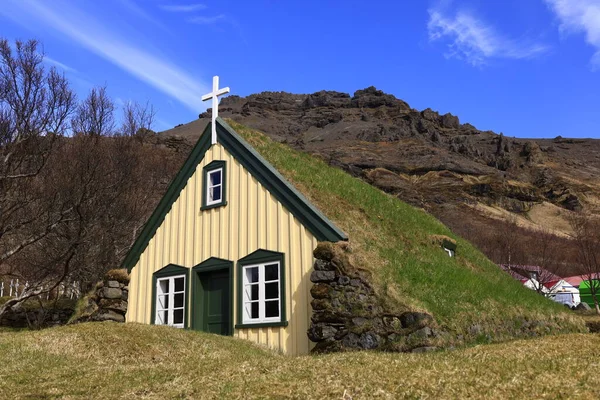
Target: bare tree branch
x,y
137,119
95,115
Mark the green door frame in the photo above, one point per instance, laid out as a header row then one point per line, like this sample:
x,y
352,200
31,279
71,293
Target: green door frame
x,y
197,313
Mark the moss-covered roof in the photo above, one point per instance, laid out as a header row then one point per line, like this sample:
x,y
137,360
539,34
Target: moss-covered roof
x,y
413,272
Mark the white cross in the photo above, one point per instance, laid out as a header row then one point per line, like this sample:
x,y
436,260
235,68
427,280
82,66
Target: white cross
x,y
215,105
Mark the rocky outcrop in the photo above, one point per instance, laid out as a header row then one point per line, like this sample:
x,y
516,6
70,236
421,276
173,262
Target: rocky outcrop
x,y
349,315
532,153
108,301
373,98
326,98
352,131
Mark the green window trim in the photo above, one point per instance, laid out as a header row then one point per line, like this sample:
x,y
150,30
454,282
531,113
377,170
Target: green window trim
x,y
166,272
261,325
213,166
209,265
261,256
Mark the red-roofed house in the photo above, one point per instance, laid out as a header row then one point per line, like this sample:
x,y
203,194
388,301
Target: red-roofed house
x,y
541,280
575,280
563,292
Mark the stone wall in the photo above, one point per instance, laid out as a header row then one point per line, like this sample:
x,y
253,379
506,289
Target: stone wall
x,y
108,301
349,315
34,316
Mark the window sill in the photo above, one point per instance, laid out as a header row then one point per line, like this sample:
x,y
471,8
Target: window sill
x,y
261,325
222,204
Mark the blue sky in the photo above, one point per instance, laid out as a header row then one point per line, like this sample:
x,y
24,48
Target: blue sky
x,y
528,68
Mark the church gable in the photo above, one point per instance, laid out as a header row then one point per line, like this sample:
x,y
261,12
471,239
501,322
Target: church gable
x,y
241,152
244,238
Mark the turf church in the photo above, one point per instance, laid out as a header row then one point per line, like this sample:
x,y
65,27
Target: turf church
x,y
228,249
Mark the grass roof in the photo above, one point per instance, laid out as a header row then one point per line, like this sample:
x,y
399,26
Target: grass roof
x,y
467,294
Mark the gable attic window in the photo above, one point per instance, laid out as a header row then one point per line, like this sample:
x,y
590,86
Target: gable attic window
x,y
449,248
261,290
169,296
214,185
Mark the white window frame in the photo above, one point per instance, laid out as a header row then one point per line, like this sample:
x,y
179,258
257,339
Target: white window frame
x,y
209,186
262,319
171,295
449,252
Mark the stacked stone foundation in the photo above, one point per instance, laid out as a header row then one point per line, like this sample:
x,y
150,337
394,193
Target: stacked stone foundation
x,y
108,301
349,315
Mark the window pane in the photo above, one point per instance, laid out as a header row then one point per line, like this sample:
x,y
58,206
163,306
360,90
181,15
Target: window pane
x,y
163,302
215,178
252,274
251,292
164,315
215,194
163,286
159,318
271,272
179,284
272,290
178,300
272,309
251,310
178,316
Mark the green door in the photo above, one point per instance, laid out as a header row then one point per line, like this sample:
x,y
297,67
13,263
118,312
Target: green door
x,y
216,300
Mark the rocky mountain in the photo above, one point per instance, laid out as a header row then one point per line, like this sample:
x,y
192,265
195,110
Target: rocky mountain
x,y
472,180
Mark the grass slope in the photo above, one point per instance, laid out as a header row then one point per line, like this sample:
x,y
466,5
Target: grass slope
x,y
393,240
108,360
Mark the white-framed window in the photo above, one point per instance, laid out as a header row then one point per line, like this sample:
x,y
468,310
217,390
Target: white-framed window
x,y
170,301
214,187
449,252
261,293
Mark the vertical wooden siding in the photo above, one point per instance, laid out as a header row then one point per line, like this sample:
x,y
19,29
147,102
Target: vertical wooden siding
x,y
252,219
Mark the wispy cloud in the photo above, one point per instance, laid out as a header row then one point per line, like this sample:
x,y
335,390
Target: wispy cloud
x,y
201,20
58,64
183,7
108,44
475,41
132,6
580,16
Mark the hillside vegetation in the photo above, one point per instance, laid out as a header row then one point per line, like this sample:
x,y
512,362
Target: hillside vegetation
x,y
468,295
108,360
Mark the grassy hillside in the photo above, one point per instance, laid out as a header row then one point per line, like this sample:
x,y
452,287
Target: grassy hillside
x,y
468,295
108,360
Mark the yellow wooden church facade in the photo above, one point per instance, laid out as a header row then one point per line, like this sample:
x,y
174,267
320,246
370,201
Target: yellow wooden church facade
x,y
229,249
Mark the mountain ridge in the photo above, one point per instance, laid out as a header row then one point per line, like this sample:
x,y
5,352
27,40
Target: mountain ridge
x,y
468,178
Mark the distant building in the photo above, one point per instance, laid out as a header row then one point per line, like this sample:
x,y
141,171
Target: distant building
x,y
549,284
534,272
575,280
563,292
585,289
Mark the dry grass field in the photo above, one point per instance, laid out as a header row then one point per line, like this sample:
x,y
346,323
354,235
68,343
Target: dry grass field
x,y
112,361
